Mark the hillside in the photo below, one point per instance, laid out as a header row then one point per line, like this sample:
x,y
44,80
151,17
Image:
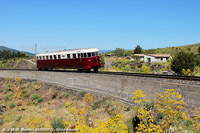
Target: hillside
x,y
2,48
173,50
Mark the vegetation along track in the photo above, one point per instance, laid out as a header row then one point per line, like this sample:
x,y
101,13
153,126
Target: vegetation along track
x,y
191,78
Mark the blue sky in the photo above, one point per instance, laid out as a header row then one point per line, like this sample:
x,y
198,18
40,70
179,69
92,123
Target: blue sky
x,y
104,24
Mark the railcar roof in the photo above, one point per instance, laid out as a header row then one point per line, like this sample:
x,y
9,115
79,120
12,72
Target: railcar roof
x,y
69,51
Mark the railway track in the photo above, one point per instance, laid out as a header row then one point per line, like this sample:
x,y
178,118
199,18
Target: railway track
x,y
176,77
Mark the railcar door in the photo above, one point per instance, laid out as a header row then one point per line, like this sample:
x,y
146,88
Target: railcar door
x,y
80,64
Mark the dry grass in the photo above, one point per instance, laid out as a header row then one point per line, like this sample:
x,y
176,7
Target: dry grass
x,y
53,101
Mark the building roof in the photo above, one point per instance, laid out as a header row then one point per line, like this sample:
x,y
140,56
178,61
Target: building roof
x,y
141,55
110,54
69,51
159,55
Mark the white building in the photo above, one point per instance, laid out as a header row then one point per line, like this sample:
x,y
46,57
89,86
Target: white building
x,y
154,57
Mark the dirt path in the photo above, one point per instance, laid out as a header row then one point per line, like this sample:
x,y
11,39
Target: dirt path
x,y
108,62
31,62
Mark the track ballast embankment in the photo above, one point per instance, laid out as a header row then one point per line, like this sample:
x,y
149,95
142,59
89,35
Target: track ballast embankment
x,y
120,85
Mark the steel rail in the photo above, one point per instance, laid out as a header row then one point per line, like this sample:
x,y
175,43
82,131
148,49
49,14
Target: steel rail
x,y
191,78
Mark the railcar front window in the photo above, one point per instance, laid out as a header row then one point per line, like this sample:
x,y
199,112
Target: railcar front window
x,y
74,55
93,54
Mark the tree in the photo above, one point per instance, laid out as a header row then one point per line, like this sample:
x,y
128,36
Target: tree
x,y
182,60
199,50
138,50
119,52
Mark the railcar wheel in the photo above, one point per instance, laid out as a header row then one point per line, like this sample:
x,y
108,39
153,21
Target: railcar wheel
x,y
80,70
96,70
88,71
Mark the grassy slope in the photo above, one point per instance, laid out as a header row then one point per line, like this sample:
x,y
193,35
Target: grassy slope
x,y
172,50
53,101
19,63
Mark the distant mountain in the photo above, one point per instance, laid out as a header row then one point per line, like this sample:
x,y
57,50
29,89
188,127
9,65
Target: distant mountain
x,y
105,51
2,48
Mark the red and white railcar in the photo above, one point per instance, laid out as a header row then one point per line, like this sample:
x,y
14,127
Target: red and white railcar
x,y
81,59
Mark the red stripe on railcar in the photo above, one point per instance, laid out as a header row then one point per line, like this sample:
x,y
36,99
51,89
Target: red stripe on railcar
x,y
78,63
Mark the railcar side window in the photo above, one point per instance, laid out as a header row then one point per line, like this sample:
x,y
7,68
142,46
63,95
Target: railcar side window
x,y
51,57
63,56
74,55
89,54
68,56
85,55
58,56
79,55
54,57
47,57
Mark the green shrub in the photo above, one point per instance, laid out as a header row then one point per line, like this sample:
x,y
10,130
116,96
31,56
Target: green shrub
x,y
149,105
12,105
182,60
9,86
39,100
160,115
129,124
67,94
24,91
6,98
81,94
34,96
139,65
97,104
188,123
36,101
26,95
58,124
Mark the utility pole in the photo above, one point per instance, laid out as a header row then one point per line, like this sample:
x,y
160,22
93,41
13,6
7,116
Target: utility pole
x,y
35,49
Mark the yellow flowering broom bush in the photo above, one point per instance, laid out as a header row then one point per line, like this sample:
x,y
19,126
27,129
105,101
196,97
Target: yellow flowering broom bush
x,y
167,115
